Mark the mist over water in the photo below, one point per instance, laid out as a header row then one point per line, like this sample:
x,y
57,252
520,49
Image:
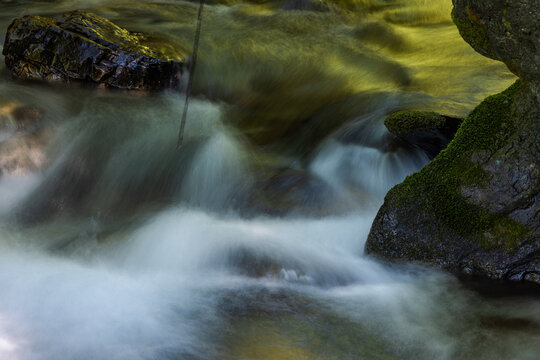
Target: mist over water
x,y
247,243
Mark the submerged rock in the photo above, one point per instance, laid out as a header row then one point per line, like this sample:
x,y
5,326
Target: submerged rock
x,y
381,35
288,191
427,130
84,46
475,209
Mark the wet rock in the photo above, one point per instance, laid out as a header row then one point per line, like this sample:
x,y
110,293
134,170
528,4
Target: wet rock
x,y
250,263
3,70
288,191
86,47
427,130
475,209
503,30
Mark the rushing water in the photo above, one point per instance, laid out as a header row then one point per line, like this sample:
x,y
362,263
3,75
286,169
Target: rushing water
x,y
248,242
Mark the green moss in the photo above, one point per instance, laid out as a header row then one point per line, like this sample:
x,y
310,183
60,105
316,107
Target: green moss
x,y
406,122
87,27
438,186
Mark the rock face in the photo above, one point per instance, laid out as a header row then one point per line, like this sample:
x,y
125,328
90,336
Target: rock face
x,y
503,30
475,209
427,130
83,46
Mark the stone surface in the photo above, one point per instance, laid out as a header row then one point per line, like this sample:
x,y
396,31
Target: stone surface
x,y
505,30
475,209
427,130
86,47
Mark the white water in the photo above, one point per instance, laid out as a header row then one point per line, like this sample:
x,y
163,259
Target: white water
x,y
156,260
157,293
171,285
152,290
148,296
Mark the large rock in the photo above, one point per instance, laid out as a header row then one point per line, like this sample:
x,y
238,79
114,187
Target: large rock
x,y
475,209
503,30
83,46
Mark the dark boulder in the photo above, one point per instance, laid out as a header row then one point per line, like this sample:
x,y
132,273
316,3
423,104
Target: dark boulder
x,y
84,46
503,30
475,209
427,130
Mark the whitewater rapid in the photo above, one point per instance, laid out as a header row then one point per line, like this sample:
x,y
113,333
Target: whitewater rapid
x,y
120,247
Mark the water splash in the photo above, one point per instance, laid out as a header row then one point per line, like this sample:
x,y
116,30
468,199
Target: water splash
x,y
218,174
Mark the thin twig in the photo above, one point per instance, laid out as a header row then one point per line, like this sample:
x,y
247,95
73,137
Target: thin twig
x,y
191,74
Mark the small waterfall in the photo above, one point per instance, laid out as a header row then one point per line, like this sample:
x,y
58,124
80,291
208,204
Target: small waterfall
x,y
365,169
123,248
363,160
218,174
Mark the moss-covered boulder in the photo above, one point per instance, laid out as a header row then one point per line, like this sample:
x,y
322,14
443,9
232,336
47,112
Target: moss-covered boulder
x,y
503,30
84,46
427,130
475,209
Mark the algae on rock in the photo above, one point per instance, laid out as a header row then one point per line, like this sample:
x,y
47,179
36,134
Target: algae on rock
x,y
427,130
475,209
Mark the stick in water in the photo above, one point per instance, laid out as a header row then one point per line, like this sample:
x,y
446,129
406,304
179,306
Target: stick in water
x,y
191,73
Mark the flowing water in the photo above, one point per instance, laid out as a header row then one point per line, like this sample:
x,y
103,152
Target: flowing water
x,y
248,242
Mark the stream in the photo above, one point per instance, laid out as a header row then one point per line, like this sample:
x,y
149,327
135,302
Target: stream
x,y
248,242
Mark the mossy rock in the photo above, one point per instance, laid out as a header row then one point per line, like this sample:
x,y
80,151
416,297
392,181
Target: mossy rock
x,y
86,47
503,30
475,209
428,130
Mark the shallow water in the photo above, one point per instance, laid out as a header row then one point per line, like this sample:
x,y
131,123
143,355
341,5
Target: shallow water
x,y
248,242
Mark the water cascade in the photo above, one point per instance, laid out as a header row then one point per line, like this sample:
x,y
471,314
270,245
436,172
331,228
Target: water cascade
x,y
117,246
